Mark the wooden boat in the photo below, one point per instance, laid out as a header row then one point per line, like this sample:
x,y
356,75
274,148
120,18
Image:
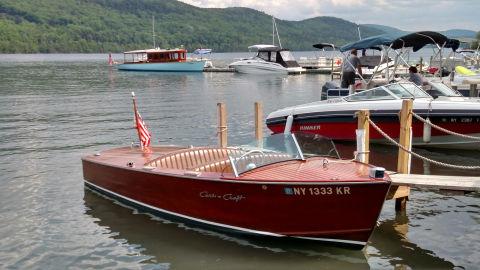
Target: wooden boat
x,y
160,60
288,185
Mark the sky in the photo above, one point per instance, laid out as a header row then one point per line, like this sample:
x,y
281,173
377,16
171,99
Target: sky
x,y
408,15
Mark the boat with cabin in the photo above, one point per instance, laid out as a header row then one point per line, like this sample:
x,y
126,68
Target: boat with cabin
x,y
335,117
173,60
267,60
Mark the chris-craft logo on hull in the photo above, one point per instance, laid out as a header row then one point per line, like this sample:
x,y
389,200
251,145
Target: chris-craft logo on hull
x,y
225,197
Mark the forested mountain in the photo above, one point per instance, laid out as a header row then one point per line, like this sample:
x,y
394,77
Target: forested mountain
x,y
452,33
29,26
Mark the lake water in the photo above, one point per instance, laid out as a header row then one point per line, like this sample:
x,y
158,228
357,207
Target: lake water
x,y
56,108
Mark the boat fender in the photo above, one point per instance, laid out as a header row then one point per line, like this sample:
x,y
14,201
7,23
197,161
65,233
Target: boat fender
x,y
427,130
288,125
377,172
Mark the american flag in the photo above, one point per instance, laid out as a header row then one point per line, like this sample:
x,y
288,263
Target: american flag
x,y
143,134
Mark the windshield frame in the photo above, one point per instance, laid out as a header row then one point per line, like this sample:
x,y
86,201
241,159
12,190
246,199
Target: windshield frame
x,y
280,147
444,90
395,91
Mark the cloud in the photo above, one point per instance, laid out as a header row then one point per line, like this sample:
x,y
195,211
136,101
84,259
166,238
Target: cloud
x,y
404,14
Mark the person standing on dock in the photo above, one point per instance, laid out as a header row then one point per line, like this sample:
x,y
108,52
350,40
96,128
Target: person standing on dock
x,y
350,63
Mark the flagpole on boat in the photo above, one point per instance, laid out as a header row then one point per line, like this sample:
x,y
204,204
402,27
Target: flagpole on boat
x,y
153,32
135,112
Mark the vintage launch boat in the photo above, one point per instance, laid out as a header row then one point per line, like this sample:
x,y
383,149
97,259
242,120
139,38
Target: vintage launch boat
x,y
334,118
160,60
286,185
268,59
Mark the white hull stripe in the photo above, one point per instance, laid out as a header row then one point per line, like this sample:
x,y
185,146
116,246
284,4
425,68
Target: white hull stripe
x,y
220,224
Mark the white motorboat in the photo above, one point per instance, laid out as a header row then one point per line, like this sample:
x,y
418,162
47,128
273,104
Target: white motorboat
x,y
334,118
268,59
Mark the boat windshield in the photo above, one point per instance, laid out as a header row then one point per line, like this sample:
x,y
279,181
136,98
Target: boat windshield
x,y
407,90
287,56
439,89
278,148
390,92
263,55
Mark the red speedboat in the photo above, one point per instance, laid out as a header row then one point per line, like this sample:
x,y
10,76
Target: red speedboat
x,y
284,186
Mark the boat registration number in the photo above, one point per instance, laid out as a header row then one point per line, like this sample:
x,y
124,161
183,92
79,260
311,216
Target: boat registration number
x,y
317,191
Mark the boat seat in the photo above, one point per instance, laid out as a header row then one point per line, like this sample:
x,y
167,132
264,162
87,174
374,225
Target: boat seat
x,y
225,166
212,159
209,159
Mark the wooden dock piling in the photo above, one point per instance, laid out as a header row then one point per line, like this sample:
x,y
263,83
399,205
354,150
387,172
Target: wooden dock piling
x,y
401,193
363,124
222,124
258,121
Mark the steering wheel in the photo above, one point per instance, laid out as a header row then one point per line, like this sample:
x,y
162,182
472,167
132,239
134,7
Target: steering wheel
x,y
251,152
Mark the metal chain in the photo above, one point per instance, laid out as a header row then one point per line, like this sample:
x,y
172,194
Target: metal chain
x,y
417,155
445,130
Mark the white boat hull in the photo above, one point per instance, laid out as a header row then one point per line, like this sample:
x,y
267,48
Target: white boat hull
x,y
258,67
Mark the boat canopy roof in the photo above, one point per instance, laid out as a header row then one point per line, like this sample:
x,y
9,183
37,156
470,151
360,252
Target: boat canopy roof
x,y
156,51
202,51
264,47
368,43
323,46
416,40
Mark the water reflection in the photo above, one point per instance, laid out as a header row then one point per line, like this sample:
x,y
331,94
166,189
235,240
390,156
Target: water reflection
x,y
390,241
169,243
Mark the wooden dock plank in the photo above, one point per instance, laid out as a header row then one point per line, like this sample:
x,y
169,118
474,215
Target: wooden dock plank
x,y
441,182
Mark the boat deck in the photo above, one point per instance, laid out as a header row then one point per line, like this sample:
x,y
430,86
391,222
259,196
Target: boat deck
x,y
213,162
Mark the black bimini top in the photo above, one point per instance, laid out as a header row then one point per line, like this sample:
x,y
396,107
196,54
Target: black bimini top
x,y
418,40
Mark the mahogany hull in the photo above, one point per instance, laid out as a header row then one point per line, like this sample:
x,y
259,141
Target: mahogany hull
x,y
342,212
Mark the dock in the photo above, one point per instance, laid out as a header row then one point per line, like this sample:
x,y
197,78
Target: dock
x,y
218,69
307,71
437,182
